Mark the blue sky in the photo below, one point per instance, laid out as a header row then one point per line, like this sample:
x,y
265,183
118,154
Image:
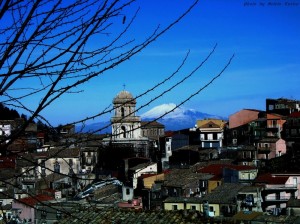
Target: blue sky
x,y
264,38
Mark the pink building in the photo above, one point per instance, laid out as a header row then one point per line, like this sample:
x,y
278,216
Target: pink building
x,y
278,189
269,148
25,206
135,203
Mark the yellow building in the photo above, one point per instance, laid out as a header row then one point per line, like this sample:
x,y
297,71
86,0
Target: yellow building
x,y
149,179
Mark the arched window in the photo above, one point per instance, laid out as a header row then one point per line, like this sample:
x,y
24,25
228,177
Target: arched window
x,y
123,131
56,167
122,112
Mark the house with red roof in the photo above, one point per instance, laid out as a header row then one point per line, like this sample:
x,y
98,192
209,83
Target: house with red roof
x,y
25,207
278,189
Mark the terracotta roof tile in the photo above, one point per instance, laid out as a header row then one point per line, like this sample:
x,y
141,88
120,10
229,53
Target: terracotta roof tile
x,y
217,169
112,215
295,114
271,179
31,201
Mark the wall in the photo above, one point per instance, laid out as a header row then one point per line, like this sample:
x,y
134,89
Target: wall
x,y
280,147
169,206
149,181
152,168
215,208
64,165
27,212
212,184
189,205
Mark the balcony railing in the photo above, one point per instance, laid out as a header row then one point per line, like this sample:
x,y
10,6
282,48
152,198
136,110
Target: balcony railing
x,y
276,198
211,139
282,187
273,126
263,150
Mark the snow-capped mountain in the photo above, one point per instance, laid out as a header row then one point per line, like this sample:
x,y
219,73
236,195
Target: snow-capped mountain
x,y
97,128
176,119
173,119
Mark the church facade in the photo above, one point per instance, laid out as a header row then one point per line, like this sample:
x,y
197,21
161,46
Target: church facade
x,y
127,127
125,123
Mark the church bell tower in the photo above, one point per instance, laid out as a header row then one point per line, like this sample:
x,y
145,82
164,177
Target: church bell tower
x,y
125,124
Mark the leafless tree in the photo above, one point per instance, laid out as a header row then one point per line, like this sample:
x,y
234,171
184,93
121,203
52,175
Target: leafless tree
x,y
46,50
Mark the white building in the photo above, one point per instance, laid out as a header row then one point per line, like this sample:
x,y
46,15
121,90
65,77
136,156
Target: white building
x,y
125,123
5,129
139,170
126,126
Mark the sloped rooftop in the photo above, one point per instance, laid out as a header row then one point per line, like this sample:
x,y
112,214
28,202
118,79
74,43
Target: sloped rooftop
x,y
113,215
183,177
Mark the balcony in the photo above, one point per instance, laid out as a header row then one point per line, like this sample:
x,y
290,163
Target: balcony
x,y
277,199
285,187
211,139
29,178
263,150
272,126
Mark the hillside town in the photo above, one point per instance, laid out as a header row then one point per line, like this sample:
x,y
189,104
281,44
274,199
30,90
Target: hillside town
x,y
242,170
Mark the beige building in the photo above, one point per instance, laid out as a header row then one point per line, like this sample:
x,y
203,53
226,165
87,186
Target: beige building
x,y
63,161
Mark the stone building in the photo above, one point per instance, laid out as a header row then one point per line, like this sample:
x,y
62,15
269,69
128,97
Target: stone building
x,y
127,127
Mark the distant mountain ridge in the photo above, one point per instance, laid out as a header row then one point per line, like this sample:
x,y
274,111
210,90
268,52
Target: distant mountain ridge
x,y
180,118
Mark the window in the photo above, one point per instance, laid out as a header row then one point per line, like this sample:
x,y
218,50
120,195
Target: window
x,y
127,191
43,214
43,168
174,207
56,167
234,134
70,162
279,153
122,112
58,215
215,136
123,131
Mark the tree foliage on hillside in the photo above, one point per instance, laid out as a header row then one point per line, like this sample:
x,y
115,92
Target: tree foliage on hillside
x,y
7,113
